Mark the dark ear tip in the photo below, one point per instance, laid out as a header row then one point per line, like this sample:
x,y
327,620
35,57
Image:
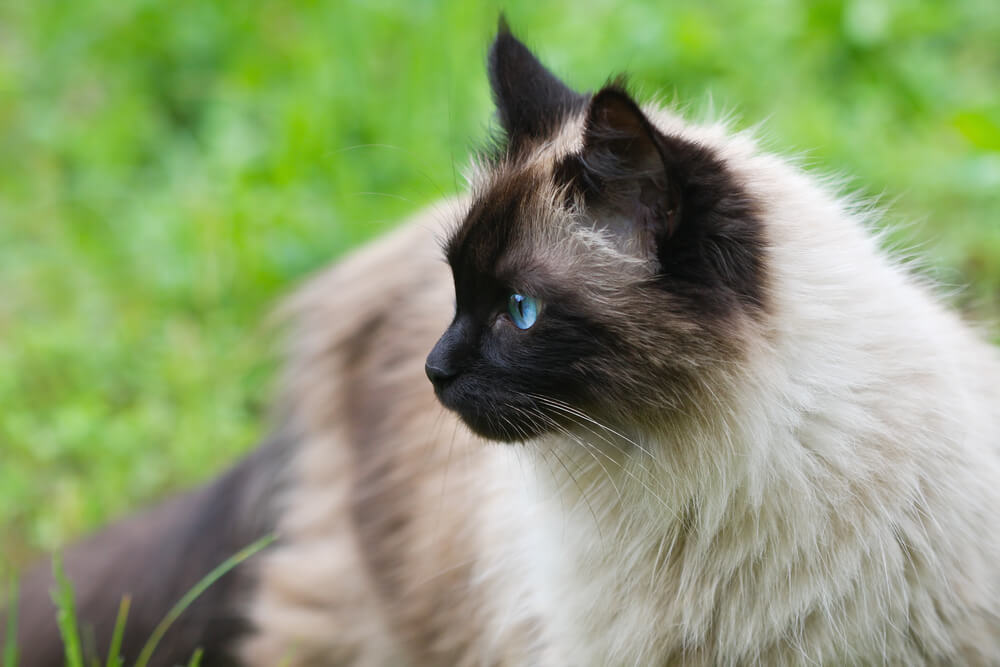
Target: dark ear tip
x,y
614,100
619,83
504,43
503,28
615,91
613,113
530,100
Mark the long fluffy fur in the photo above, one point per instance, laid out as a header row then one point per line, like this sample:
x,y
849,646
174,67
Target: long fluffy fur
x,y
833,500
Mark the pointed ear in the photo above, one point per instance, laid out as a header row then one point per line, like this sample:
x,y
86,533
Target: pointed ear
x,y
623,172
530,100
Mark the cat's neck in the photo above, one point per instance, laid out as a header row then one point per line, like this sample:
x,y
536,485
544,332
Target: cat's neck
x,y
625,481
678,523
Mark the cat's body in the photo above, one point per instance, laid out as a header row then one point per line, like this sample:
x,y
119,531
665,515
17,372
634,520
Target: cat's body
x,y
834,508
750,436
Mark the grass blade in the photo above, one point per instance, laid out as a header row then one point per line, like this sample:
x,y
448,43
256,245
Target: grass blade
x,y
195,660
115,650
68,626
192,595
10,641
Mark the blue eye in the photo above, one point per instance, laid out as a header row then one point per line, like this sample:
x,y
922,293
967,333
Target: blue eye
x,y
523,310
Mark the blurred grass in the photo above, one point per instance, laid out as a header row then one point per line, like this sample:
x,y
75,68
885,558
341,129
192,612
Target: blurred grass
x,y
168,169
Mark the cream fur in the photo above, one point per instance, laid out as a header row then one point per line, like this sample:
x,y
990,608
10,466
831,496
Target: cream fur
x,y
837,502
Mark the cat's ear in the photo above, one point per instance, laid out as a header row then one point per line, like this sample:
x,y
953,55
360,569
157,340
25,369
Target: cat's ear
x,y
531,101
624,174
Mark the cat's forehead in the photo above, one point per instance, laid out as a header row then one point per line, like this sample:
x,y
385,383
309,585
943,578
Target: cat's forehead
x,y
511,214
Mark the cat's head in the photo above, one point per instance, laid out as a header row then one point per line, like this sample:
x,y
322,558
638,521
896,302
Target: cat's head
x,y
604,269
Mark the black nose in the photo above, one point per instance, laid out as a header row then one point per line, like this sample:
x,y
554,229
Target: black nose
x,y
437,374
445,361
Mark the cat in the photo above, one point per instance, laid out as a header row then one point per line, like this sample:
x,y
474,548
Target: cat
x,y
735,430
666,402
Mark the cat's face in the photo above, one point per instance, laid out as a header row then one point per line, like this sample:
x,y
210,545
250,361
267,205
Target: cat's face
x,y
600,283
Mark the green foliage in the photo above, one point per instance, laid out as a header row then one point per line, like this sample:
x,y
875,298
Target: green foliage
x,y
69,628
115,648
169,169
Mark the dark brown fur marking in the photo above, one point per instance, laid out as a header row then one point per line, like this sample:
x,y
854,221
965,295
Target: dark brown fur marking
x,y
708,238
155,557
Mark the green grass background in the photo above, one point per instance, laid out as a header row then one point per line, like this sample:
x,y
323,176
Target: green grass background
x,y
169,169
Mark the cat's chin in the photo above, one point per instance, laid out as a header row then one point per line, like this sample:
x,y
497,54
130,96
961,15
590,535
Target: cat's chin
x,y
493,414
490,428
493,424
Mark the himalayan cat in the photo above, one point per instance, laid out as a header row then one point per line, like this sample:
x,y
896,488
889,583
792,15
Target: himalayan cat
x,y
666,403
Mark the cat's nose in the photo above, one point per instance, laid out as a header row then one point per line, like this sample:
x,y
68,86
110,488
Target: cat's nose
x,y
444,362
438,374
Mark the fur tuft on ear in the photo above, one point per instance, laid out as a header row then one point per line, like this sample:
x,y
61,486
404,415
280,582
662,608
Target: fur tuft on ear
x,y
531,101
